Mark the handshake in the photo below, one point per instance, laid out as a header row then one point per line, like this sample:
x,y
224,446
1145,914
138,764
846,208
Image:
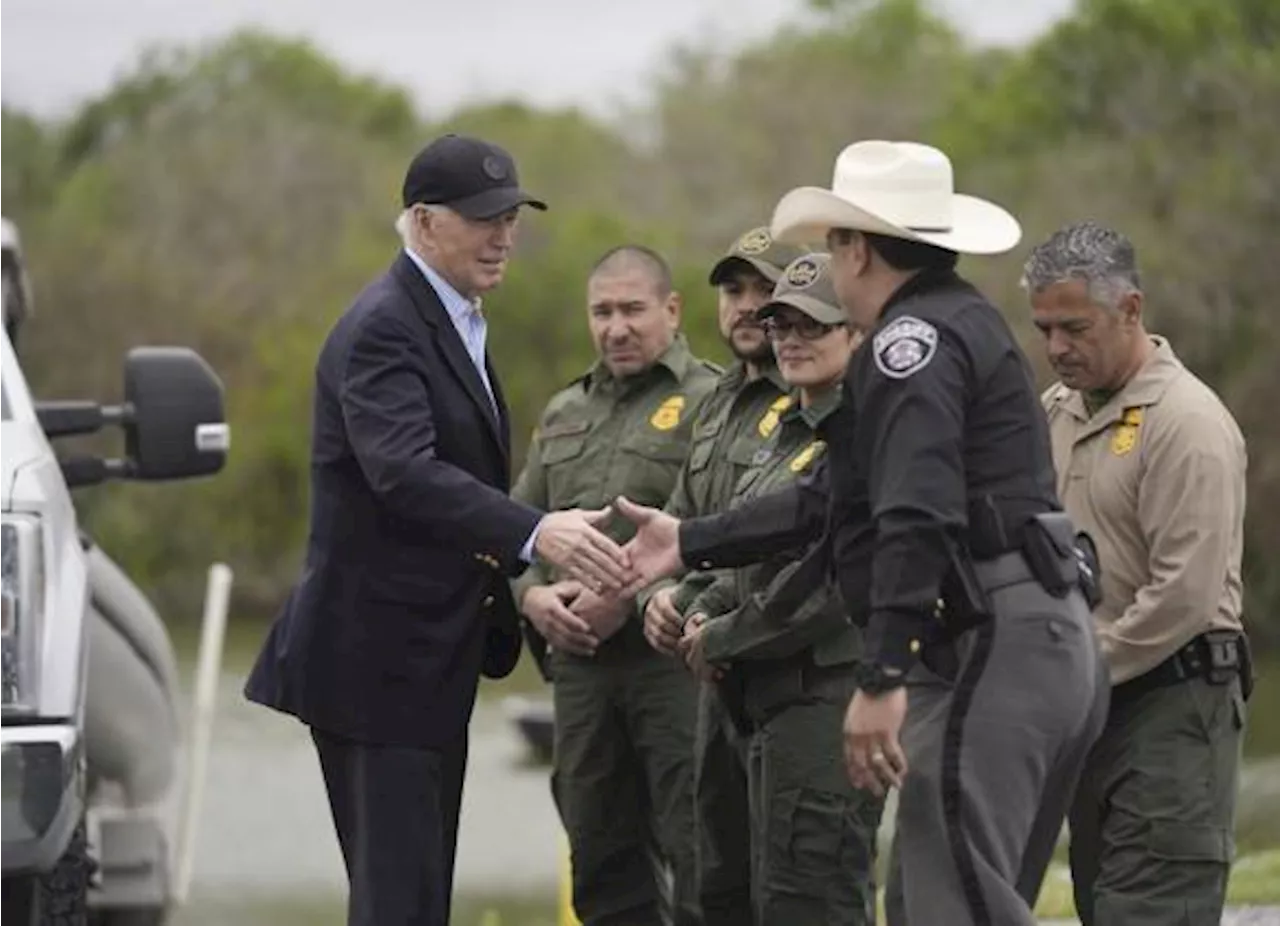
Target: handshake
x,y
580,612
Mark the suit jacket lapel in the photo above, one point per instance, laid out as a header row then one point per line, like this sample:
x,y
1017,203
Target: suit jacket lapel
x,y
504,413
451,346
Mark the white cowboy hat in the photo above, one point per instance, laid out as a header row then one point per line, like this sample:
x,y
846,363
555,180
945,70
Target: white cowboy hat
x,y
900,189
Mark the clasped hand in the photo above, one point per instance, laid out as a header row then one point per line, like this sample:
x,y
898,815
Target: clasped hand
x,y
693,649
574,619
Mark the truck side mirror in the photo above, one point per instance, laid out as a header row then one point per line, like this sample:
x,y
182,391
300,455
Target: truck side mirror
x,y
177,428
172,418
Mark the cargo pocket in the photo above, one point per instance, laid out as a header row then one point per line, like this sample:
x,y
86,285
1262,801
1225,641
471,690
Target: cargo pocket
x,y
821,859
806,833
1174,841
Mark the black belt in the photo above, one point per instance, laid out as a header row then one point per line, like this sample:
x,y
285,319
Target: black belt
x,y
1217,657
767,687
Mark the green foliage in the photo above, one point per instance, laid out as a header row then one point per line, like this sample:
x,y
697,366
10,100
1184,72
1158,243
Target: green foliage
x,y
235,197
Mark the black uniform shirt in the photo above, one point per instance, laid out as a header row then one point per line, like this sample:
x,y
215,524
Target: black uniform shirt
x,y
941,419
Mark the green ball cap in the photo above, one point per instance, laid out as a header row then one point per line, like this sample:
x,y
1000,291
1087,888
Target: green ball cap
x,y
757,249
806,285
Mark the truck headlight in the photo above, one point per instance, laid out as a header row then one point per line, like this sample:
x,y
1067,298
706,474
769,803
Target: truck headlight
x,y
23,554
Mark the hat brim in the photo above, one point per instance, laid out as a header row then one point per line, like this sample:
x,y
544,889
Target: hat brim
x,y
816,309
806,214
492,203
726,266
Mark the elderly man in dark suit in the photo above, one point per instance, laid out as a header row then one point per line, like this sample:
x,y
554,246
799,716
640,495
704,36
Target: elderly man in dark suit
x,y
404,601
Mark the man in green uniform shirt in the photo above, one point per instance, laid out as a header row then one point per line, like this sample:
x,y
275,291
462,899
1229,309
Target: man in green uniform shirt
x,y
732,424
624,714
779,645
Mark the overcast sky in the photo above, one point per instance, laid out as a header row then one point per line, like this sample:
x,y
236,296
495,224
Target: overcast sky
x,y
55,53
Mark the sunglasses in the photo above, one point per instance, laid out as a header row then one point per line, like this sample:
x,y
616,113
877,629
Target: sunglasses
x,y
808,329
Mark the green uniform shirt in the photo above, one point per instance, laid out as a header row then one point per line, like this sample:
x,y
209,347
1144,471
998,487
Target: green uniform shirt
x,y
738,632
734,422
603,437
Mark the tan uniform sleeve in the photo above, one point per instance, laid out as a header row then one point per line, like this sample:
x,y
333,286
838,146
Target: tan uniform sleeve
x,y
1191,509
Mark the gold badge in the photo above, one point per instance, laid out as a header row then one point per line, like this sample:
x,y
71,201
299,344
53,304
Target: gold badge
x,y
756,241
769,420
668,414
1125,437
805,456
803,272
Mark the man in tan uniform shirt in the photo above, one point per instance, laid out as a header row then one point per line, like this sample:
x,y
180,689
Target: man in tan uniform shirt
x,y
1152,465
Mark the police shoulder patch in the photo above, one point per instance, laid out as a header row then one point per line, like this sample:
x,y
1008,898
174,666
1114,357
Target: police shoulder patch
x,y
904,347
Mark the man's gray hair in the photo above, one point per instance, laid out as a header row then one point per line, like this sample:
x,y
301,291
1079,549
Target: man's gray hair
x,y
404,222
1101,256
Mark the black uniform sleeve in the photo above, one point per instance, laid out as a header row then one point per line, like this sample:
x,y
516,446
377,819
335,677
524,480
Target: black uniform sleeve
x,y
914,414
787,519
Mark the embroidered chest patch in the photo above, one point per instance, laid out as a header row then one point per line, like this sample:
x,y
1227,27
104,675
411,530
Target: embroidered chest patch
x,y
668,414
769,420
1125,436
805,456
905,347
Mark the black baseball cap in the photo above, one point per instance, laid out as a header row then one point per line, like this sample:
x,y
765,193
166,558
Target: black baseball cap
x,y
475,178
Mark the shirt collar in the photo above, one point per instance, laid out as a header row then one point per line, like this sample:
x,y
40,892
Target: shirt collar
x,y
1145,388
457,305
675,359
823,405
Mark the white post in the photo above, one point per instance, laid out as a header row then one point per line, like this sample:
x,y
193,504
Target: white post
x,y
208,669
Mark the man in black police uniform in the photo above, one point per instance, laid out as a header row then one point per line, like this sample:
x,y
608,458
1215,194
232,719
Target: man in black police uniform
x,y
944,530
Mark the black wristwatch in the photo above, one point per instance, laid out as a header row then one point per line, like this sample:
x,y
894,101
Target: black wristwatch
x,y
876,679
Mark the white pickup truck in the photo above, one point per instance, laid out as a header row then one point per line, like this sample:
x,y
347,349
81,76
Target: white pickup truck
x,y
91,738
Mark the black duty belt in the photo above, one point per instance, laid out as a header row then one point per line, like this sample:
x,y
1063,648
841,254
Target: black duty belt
x,y
763,689
1217,657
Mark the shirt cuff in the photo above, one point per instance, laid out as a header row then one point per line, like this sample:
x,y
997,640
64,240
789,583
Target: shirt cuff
x,y
893,638
526,552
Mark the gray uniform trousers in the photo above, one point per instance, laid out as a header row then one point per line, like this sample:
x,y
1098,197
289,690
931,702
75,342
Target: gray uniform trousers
x,y
994,750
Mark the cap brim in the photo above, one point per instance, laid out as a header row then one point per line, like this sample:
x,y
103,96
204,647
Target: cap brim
x,y
726,266
816,309
492,203
806,214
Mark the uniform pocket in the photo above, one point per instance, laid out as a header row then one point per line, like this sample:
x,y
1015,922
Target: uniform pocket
x,y
562,448
700,454
653,461
806,830
820,858
1175,841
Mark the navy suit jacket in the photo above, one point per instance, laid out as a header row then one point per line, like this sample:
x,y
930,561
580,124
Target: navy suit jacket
x,y
403,600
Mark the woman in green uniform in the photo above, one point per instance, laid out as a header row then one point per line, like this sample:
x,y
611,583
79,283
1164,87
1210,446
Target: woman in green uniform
x,y
788,681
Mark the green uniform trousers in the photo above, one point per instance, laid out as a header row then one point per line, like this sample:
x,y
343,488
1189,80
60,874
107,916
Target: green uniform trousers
x,y
721,815
622,782
1154,814
813,833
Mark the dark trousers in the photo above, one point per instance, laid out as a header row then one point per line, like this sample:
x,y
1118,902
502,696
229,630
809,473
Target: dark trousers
x,y
721,815
623,782
396,812
1153,819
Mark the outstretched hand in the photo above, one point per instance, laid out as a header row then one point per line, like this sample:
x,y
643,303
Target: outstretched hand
x,y
654,552
570,541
